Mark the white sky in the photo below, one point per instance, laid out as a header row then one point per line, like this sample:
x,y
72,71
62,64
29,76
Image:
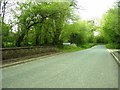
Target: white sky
x,y
94,8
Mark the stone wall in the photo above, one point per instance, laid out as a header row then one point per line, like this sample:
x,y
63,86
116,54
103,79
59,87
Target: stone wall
x,y
10,53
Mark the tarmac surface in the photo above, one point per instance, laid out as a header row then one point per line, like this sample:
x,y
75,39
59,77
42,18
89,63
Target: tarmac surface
x,y
90,68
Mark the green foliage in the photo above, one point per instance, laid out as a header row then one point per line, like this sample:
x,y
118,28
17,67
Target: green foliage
x,y
99,38
72,47
48,24
111,28
78,32
46,19
113,46
8,37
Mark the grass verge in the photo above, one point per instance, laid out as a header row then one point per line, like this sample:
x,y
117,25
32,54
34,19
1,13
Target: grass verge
x,y
112,46
73,48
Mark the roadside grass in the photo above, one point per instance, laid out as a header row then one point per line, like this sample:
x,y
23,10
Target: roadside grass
x,y
73,48
70,49
112,46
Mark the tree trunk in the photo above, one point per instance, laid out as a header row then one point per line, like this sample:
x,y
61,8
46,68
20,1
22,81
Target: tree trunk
x,y
56,40
20,39
37,40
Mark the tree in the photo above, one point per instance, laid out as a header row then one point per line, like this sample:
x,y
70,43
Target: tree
x,y
34,15
6,35
75,32
6,28
111,27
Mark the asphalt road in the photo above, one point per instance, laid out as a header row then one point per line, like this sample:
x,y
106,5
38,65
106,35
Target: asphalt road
x,y
90,68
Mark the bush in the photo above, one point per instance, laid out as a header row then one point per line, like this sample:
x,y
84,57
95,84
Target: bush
x,y
73,47
88,45
113,46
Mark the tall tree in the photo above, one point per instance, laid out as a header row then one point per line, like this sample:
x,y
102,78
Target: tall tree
x,y
111,27
76,32
33,14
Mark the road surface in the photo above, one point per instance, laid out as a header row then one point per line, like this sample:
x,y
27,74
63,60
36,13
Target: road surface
x,y
90,68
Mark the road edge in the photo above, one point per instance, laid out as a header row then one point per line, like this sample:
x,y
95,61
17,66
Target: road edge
x,y
29,60
33,59
115,57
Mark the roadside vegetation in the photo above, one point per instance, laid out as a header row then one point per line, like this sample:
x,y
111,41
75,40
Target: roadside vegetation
x,y
73,47
111,27
55,23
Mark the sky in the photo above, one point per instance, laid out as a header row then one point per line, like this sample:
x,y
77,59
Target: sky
x,y
93,8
